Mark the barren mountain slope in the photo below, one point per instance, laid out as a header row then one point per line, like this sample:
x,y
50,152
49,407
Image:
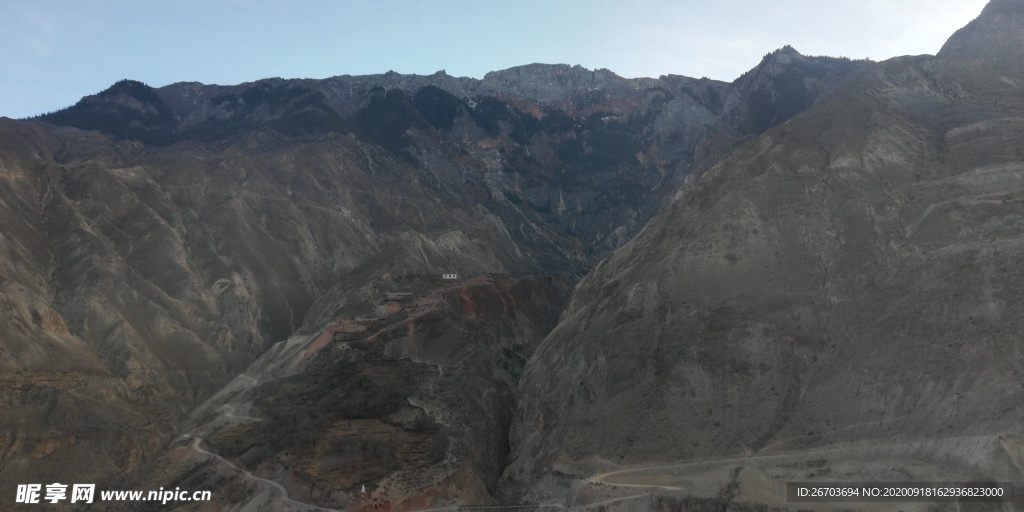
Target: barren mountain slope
x,y
842,291
995,36
136,281
155,242
407,396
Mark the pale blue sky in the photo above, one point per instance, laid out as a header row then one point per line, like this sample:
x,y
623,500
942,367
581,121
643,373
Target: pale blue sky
x,y
53,52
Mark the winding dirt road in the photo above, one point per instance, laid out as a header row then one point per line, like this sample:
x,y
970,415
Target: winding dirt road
x,y
282,493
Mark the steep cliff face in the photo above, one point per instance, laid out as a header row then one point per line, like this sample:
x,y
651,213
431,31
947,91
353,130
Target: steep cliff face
x,y
995,36
840,294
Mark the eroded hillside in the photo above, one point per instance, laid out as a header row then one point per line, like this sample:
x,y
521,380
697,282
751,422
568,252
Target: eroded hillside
x,y
157,242
838,300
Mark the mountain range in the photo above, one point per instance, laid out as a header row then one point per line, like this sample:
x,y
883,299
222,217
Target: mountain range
x,y
550,286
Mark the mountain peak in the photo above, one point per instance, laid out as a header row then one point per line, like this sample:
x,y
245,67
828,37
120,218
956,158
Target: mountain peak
x,y
789,50
127,109
125,86
995,36
780,56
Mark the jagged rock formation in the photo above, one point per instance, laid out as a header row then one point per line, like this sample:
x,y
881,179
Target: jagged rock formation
x,y
554,137
995,36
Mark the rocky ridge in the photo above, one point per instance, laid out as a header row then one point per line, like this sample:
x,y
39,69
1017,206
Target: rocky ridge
x,y
139,284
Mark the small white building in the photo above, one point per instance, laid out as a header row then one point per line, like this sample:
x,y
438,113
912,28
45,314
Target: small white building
x,y
449,277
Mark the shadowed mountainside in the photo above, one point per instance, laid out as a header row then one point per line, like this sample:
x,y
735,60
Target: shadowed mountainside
x,y
553,140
